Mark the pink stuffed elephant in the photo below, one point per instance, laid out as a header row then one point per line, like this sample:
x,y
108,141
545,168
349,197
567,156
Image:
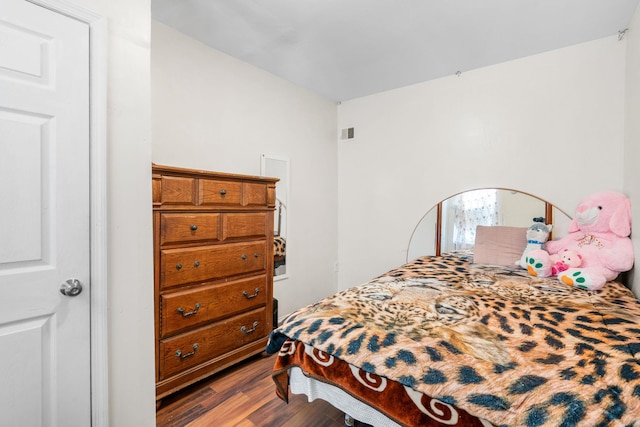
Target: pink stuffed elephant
x,y
599,232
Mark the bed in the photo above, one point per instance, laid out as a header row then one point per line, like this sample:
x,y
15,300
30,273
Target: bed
x,y
444,341
467,339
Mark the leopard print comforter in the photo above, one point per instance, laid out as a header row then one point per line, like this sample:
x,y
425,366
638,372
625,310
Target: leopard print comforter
x,y
504,346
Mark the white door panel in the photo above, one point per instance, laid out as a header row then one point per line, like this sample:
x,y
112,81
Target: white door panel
x,y
21,147
44,219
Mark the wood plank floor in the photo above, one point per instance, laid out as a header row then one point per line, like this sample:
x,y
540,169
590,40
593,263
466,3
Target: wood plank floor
x,y
244,396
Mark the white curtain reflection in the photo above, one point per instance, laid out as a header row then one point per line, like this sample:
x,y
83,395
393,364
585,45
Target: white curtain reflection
x,y
464,212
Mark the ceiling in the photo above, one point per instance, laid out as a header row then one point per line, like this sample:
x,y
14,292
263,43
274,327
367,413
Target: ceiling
x,y
345,49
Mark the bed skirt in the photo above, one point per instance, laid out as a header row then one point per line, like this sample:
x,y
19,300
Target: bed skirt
x,y
369,398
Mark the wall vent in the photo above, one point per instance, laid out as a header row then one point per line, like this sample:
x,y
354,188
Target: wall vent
x,y
348,133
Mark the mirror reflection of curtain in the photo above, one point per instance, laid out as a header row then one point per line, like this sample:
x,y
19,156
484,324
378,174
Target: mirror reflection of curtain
x,y
465,212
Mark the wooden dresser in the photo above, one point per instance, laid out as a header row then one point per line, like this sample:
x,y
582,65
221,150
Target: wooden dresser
x,y
213,260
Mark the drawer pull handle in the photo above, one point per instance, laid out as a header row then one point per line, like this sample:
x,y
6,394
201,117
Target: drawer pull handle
x,y
194,227
189,313
248,331
243,256
184,356
223,192
256,255
196,264
247,296
178,266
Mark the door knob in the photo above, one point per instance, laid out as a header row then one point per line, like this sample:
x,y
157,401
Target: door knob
x,y
71,287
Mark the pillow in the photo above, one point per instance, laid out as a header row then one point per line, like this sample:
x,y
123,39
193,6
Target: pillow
x,y
499,245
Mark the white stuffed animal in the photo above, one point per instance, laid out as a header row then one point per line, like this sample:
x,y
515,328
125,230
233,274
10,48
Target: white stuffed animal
x,y
537,235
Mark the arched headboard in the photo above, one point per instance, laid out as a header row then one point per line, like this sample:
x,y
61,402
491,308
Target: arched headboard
x,y
433,234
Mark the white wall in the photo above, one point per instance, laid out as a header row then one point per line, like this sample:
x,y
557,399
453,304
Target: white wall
x,y
214,112
632,137
550,125
130,250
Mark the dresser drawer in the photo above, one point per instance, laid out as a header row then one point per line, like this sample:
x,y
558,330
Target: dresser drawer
x,y
255,194
187,265
177,191
178,228
244,225
214,192
184,309
193,348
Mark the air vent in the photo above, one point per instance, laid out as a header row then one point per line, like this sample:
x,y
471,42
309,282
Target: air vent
x,y
348,133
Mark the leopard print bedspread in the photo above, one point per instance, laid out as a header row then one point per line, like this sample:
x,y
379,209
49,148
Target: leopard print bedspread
x,y
279,246
500,344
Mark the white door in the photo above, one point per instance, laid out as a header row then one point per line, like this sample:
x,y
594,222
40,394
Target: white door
x,y
44,217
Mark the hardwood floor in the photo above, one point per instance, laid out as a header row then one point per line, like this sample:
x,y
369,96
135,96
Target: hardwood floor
x,y
244,396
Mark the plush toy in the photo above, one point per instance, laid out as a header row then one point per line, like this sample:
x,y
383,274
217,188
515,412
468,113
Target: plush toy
x,y
564,260
599,232
537,234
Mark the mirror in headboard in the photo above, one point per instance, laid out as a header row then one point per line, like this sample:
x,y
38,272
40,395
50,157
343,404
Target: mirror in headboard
x,y
451,224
